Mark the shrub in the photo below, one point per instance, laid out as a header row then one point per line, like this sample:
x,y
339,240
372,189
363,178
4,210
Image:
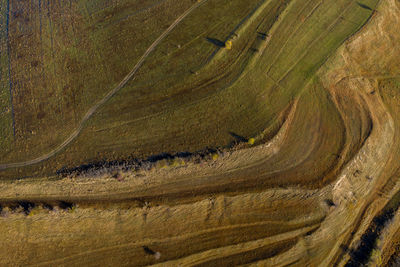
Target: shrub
x,y
228,44
214,156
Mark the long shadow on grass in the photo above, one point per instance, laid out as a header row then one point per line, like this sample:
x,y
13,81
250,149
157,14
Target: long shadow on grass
x,y
237,137
364,6
216,42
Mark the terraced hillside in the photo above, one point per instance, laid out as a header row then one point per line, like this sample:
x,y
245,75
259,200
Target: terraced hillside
x,y
200,133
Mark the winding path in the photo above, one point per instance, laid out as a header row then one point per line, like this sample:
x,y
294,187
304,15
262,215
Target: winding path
x,y
110,94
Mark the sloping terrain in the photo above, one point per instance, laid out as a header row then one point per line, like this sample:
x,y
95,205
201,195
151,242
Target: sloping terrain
x,y
200,133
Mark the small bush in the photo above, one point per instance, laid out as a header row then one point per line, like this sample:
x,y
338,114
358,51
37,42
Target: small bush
x,y
251,141
228,44
177,162
162,164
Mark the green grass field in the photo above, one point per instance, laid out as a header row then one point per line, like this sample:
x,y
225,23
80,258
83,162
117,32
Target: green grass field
x,y
190,92
6,108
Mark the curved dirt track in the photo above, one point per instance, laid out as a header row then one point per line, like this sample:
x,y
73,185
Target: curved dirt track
x,y
107,97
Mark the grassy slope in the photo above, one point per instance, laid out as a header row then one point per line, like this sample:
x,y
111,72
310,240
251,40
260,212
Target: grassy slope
x,y
53,56
183,112
188,123
6,112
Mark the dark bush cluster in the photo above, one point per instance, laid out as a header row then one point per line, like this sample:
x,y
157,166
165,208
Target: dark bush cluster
x,y
26,207
95,169
361,255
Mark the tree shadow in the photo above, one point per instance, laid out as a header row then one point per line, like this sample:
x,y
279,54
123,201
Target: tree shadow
x,y
364,6
26,206
262,35
215,42
238,138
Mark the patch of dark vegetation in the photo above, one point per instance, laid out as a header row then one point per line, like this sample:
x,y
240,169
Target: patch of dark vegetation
x,y
65,205
330,202
47,206
115,167
13,207
148,250
158,157
92,166
117,176
183,154
394,260
344,248
26,206
361,255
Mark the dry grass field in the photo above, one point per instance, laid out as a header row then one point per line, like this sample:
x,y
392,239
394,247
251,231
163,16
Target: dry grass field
x,y
200,133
